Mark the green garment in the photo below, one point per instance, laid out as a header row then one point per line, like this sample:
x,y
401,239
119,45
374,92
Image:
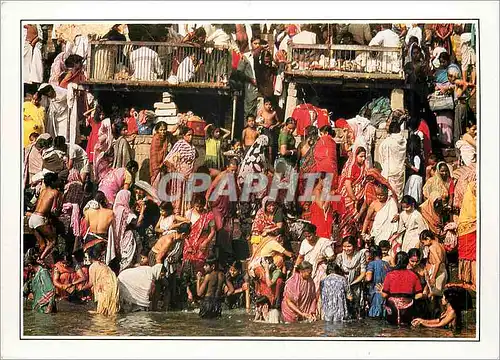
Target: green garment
x,y
44,296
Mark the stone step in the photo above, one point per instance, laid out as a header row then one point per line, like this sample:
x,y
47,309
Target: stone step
x,y
166,112
163,105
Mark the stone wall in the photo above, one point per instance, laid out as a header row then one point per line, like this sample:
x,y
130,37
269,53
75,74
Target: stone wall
x,y
141,148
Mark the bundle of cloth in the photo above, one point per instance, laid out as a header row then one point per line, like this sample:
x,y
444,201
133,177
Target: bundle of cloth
x,y
377,110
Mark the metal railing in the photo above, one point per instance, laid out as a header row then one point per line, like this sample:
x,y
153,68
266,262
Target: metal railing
x,y
157,62
345,61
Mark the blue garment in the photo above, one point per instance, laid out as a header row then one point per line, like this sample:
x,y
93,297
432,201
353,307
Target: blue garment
x,y
379,269
441,75
334,297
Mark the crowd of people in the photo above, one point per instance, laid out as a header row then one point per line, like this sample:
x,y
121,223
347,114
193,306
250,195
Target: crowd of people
x,y
383,247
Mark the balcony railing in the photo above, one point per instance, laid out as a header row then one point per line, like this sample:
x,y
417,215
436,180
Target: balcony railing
x,y
345,61
158,63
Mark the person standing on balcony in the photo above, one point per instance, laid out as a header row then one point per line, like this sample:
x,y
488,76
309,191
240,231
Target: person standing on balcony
x,y
187,69
305,36
32,54
145,64
390,61
247,67
361,33
385,37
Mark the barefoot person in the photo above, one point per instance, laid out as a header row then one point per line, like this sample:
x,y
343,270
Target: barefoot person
x,y
210,289
249,134
39,220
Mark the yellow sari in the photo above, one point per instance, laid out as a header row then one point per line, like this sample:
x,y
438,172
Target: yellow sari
x,y
105,287
34,121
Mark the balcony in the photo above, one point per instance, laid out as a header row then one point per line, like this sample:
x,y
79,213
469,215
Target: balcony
x,y
345,62
157,64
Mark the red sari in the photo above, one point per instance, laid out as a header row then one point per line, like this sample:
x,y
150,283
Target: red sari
x,y
72,77
325,155
424,128
157,153
93,138
192,251
370,194
357,175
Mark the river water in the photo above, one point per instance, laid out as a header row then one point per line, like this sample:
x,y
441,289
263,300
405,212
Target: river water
x,y
75,320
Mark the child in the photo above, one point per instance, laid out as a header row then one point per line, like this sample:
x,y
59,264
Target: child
x,y
236,150
268,114
414,169
210,289
168,220
143,261
239,281
375,274
131,121
264,312
33,137
213,148
430,170
385,246
249,134
335,292
121,148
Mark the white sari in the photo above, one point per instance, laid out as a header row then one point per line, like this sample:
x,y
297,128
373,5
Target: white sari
x,y
383,227
412,224
392,158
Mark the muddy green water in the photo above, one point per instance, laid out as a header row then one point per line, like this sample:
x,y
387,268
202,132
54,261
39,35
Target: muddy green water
x,y
75,320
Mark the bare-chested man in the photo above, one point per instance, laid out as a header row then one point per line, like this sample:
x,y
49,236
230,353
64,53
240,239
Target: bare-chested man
x,y
249,134
168,251
46,207
166,244
381,217
99,218
210,288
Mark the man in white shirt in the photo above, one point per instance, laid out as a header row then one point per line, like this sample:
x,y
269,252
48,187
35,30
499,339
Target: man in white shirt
x,y
186,70
416,31
389,61
75,156
386,37
32,54
219,37
145,64
305,36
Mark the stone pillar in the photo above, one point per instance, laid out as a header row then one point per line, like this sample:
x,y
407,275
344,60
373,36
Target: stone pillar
x,y
291,99
397,99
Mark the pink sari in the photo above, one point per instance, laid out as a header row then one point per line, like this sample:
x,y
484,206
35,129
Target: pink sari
x,y
102,161
182,157
302,293
124,238
112,183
